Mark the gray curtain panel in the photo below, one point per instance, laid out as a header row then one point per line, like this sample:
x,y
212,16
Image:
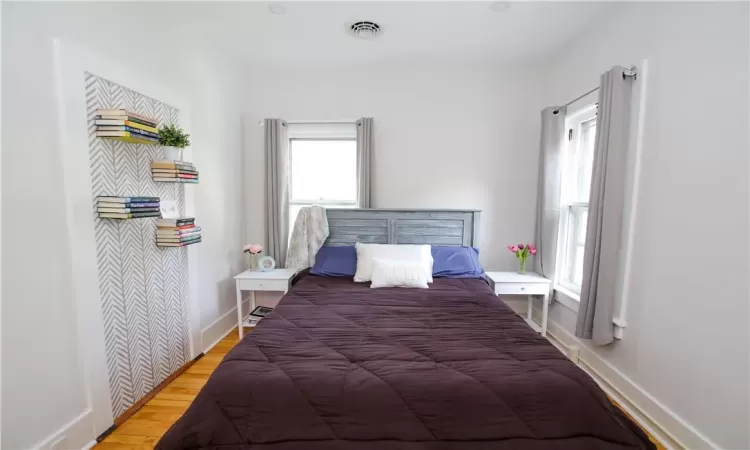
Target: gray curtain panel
x,y
277,189
606,202
548,194
364,161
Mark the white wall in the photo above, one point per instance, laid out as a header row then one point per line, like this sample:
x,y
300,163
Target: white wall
x,y
687,337
445,137
42,384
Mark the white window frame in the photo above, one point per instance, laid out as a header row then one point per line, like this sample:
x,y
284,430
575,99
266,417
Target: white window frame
x,y
328,203
570,209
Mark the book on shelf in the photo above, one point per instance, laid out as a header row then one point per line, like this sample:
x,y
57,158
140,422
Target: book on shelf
x,y
188,176
128,123
175,222
178,228
172,161
184,229
125,113
180,239
135,206
189,237
168,164
129,134
129,215
116,199
127,128
176,180
145,123
126,210
178,235
169,171
177,244
163,175
133,139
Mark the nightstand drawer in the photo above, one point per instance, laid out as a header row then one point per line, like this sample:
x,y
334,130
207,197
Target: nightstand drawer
x,y
521,288
264,285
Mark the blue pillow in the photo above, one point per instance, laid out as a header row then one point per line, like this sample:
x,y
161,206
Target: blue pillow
x,y
456,262
335,262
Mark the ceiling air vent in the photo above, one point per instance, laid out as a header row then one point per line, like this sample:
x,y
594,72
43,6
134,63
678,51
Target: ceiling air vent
x,y
365,29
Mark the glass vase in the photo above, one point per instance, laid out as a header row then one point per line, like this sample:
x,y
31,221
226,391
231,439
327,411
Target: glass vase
x,y
253,262
522,265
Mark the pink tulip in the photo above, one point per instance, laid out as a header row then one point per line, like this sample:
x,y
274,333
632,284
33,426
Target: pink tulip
x,y
532,248
520,246
513,248
532,251
253,248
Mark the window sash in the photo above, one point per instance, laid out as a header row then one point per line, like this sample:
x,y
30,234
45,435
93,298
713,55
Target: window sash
x,y
295,204
573,220
574,199
321,201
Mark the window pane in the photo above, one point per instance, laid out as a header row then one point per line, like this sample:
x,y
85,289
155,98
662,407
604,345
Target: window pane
x,y
583,217
578,267
585,159
577,167
575,240
323,170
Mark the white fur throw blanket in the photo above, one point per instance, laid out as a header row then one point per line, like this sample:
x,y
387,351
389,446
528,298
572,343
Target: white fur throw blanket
x,y
309,233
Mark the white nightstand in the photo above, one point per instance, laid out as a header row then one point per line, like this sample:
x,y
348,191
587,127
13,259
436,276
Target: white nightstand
x,y
273,280
528,284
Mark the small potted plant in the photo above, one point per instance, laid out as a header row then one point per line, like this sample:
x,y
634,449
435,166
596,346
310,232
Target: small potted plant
x,y
173,139
253,250
522,252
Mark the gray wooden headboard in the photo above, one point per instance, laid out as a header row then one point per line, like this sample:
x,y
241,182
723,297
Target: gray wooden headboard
x,y
403,226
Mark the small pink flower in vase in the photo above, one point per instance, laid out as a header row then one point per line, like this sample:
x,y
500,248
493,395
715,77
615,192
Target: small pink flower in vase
x,y
254,250
522,252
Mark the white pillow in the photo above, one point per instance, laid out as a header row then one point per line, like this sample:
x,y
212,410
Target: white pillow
x,y
366,253
390,273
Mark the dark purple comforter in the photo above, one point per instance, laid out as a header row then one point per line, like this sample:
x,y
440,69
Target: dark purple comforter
x,y
341,366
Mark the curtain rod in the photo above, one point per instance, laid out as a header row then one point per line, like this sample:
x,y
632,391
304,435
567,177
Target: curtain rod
x,y
631,71
305,122
313,122
575,100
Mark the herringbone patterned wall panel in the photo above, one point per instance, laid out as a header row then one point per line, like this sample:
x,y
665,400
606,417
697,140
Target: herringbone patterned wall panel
x,y
143,288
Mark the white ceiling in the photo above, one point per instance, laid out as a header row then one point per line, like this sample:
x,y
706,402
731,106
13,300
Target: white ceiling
x,y
314,33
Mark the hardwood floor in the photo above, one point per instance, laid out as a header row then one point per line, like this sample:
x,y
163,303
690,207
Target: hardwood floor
x,y
143,430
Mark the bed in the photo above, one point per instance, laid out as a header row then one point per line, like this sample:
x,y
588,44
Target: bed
x,y
338,365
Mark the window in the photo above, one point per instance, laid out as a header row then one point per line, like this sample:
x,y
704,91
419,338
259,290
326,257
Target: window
x,y
323,167
578,161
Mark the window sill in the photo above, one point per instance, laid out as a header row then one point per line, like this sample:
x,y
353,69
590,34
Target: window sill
x,y
571,300
567,298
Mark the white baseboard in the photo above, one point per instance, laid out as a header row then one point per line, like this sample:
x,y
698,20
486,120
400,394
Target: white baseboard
x,y
662,423
220,327
78,433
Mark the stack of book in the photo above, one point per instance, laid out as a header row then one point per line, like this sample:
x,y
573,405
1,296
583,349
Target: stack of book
x,y
126,126
258,314
127,207
174,171
177,232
